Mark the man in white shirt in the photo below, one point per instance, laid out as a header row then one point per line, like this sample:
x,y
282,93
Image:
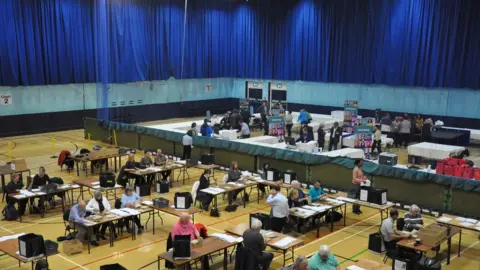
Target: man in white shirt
x,y
389,233
377,139
245,130
187,142
280,209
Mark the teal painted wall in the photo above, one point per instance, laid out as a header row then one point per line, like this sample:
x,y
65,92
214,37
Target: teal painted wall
x,y
54,98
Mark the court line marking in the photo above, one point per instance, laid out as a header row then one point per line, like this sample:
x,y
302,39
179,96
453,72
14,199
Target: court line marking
x,y
463,251
72,262
7,230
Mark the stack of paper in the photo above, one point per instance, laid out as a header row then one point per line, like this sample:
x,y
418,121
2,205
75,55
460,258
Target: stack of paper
x,y
346,199
285,242
27,193
461,219
10,237
227,238
466,224
444,219
322,208
148,202
333,201
131,211
471,220
75,186
354,267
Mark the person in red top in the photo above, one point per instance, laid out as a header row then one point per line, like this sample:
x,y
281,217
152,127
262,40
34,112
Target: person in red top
x,y
357,180
185,227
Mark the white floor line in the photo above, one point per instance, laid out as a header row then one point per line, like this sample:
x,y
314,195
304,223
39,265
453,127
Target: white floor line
x,y
10,267
35,223
70,261
463,251
7,230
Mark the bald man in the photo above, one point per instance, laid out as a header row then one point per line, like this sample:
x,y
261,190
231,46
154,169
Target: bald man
x,y
185,227
77,219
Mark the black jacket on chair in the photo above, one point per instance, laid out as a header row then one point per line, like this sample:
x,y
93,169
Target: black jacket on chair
x,y
244,259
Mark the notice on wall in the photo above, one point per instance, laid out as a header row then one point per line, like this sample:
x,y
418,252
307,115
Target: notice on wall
x,y
6,99
208,88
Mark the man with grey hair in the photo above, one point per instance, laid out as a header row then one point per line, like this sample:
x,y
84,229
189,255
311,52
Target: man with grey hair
x,y
77,220
301,195
413,219
253,240
323,259
301,263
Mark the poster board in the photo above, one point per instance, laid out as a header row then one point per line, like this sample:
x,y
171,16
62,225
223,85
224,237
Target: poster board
x,y
276,126
350,115
364,135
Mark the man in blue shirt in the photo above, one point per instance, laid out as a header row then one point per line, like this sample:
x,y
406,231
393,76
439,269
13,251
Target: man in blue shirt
x,y
302,117
206,130
77,219
316,192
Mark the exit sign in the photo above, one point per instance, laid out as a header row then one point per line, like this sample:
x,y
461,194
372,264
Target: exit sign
x,y
279,86
255,84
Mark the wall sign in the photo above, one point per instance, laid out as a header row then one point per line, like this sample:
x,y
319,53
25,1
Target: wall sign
x,y
6,99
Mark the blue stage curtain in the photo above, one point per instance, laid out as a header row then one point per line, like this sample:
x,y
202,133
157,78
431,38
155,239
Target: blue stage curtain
x,y
428,43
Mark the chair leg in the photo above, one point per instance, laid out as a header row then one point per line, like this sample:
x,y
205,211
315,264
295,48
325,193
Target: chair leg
x,y
385,259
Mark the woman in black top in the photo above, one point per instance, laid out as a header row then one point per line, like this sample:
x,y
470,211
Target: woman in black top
x,y
203,197
234,175
130,166
261,187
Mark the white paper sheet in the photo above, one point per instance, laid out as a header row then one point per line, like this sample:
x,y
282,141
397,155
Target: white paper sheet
x,y
287,178
10,237
466,224
227,238
444,219
95,183
96,187
40,193
461,219
354,267
471,220
321,208
346,199
270,175
180,202
131,211
148,202
75,186
285,242
363,195
333,201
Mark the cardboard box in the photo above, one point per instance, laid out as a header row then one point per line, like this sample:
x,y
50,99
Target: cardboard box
x,y
20,164
72,247
432,235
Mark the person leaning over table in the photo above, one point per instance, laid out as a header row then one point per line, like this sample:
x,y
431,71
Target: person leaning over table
x,y
234,175
203,197
389,233
77,218
357,179
129,198
244,130
99,205
301,195
323,260
253,240
413,219
316,192
280,209
161,160
205,129
146,162
11,188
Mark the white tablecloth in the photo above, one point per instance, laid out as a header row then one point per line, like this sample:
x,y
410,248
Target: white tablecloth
x,y
474,133
433,150
262,139
345,152
350,141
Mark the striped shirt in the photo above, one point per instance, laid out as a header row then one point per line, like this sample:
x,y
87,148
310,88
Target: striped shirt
x,y
413,222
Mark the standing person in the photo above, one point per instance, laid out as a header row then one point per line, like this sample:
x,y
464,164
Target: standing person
x,y
305,136
206,130
377,140
321,137
386,124
263,110
146,162
77,221
427,130
280,209
253,240
404,130
358,179
244,130
234,119
302,117
187,142
225,122
289,123
161,160
394,131
193,128
335,135
203,197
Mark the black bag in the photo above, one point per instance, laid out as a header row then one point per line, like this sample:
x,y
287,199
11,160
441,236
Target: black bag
x,y
107,179
115,266
246,197
163,186
50,248
57,180
31,245
231,208
214,212
375,243
49,188
10,212
333,215
143,190
122,151
264,218
187,197
161,202
426,263
207,158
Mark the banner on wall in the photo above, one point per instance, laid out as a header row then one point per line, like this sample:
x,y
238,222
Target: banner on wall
x,y
276,126
6,99
350,115
364,135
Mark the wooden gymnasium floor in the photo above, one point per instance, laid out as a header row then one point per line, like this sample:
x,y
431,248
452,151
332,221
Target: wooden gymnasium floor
x,y
348,242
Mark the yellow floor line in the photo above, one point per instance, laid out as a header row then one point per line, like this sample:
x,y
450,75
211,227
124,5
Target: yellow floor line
x,y
463,251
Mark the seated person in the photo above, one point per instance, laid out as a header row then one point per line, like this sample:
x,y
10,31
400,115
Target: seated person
x,y
263,174
203,197
293,200
77,218
41,265
305,136
301,195
253,240
301,263
244,132
129,199
316,192
99,205
146,162
130,166
413,219
11,188
234,175
389,233
161,160
39,180
323,259
185,227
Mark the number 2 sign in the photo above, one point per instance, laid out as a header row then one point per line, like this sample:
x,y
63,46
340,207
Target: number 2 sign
x,y
5,99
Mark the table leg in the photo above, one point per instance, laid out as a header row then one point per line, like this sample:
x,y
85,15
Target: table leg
x,y
460,243
225,261
3,188
88,237
449,248
293,254
284,259
215,201
133,229
244,196
78,169
106,165
112,229
345,215
318,229
332,224
119,163
158,263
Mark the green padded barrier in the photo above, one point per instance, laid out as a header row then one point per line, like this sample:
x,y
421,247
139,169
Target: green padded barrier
x,y
423,194
96,133
465,203
154,143
282,165
128,139
224,158
197,151
332,175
